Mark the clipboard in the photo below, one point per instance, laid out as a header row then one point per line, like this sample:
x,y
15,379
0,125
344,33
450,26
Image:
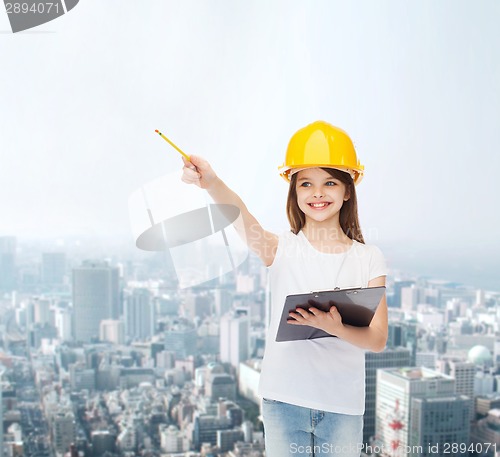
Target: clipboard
x,y
356,306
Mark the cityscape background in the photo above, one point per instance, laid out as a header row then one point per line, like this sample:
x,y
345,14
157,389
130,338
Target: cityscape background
x,y
414,84
103,354
108,356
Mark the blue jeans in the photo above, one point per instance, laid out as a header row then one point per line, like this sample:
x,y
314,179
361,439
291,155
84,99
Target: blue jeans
x,y
296,431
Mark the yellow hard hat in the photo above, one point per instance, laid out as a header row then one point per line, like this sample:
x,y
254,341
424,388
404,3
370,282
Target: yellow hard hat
x,y
322,145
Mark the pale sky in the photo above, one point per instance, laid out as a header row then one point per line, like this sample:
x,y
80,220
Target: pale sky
x,y
415,83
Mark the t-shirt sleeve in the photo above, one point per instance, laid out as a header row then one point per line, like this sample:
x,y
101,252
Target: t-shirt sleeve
x,y
378,266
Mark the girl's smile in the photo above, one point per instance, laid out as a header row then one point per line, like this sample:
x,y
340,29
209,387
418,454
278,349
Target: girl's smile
x,y
319,206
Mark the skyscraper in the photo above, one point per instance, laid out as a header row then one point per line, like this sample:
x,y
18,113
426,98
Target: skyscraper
x,y
403,334
180,338
95,298
416,408
389,358
63,431
139,314
43,312
440,426
398,285
463,372
409,298
234,338
63,322
7,263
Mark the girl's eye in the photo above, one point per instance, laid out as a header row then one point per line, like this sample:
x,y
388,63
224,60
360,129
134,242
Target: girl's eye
x,y
305,184
331,183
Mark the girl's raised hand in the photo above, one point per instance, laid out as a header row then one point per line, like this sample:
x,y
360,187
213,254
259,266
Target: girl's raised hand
x,y
198,171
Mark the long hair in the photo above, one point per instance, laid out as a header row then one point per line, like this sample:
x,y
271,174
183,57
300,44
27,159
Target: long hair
x,y
349,221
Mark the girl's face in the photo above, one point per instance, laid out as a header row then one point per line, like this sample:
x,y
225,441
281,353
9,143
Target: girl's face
x,y
319,195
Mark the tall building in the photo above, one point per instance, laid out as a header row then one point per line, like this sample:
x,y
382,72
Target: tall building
x,y
206,427
95,298
43,313
248,379
416,408
7,263
439,423
140,315
197,305
63,431
404,334
63,322
463,372
53,268
220,385
235,338
81,377
103,441
227,438
180,338
172,440
389,358
398,285
409,298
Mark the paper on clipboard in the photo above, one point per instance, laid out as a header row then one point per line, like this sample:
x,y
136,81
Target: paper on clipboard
x,y
356,306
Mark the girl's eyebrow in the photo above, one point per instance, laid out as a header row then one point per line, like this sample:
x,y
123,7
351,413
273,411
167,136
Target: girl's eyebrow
x,y
305,178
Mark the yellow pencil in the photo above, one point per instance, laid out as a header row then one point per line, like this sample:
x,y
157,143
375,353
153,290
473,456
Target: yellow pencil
x,y
172,144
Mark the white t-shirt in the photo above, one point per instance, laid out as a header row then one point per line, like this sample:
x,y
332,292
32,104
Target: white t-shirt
x,y
326,374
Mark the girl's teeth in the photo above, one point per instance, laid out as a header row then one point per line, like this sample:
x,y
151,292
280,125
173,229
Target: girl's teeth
x,y
318,205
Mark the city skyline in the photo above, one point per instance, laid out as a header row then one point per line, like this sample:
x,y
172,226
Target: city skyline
x,y
414,85
191,377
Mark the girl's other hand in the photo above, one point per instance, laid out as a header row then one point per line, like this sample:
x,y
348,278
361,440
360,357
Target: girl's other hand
x,y
328,321
198,171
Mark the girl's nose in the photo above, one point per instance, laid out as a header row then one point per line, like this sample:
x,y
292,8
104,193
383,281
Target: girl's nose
x,y
318,194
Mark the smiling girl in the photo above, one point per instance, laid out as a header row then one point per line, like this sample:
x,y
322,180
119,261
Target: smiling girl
x,y
313,390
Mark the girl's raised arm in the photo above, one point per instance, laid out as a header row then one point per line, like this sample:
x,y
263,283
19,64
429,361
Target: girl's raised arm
x,y
199,172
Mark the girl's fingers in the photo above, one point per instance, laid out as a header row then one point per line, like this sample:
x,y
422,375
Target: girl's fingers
x,y
335,314
188,163
301,311
190,175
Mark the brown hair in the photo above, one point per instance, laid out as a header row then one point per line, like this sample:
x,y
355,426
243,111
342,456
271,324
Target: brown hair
x,y
348,218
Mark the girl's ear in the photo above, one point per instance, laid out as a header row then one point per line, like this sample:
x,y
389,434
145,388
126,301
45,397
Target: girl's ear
x,y
347,194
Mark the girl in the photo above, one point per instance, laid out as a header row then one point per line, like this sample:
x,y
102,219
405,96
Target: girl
x,y
313,390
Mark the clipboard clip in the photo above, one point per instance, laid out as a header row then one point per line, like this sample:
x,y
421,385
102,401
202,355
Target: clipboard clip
x,y
317,292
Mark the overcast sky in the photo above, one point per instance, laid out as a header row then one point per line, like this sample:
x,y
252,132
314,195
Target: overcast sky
x,y
415,83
